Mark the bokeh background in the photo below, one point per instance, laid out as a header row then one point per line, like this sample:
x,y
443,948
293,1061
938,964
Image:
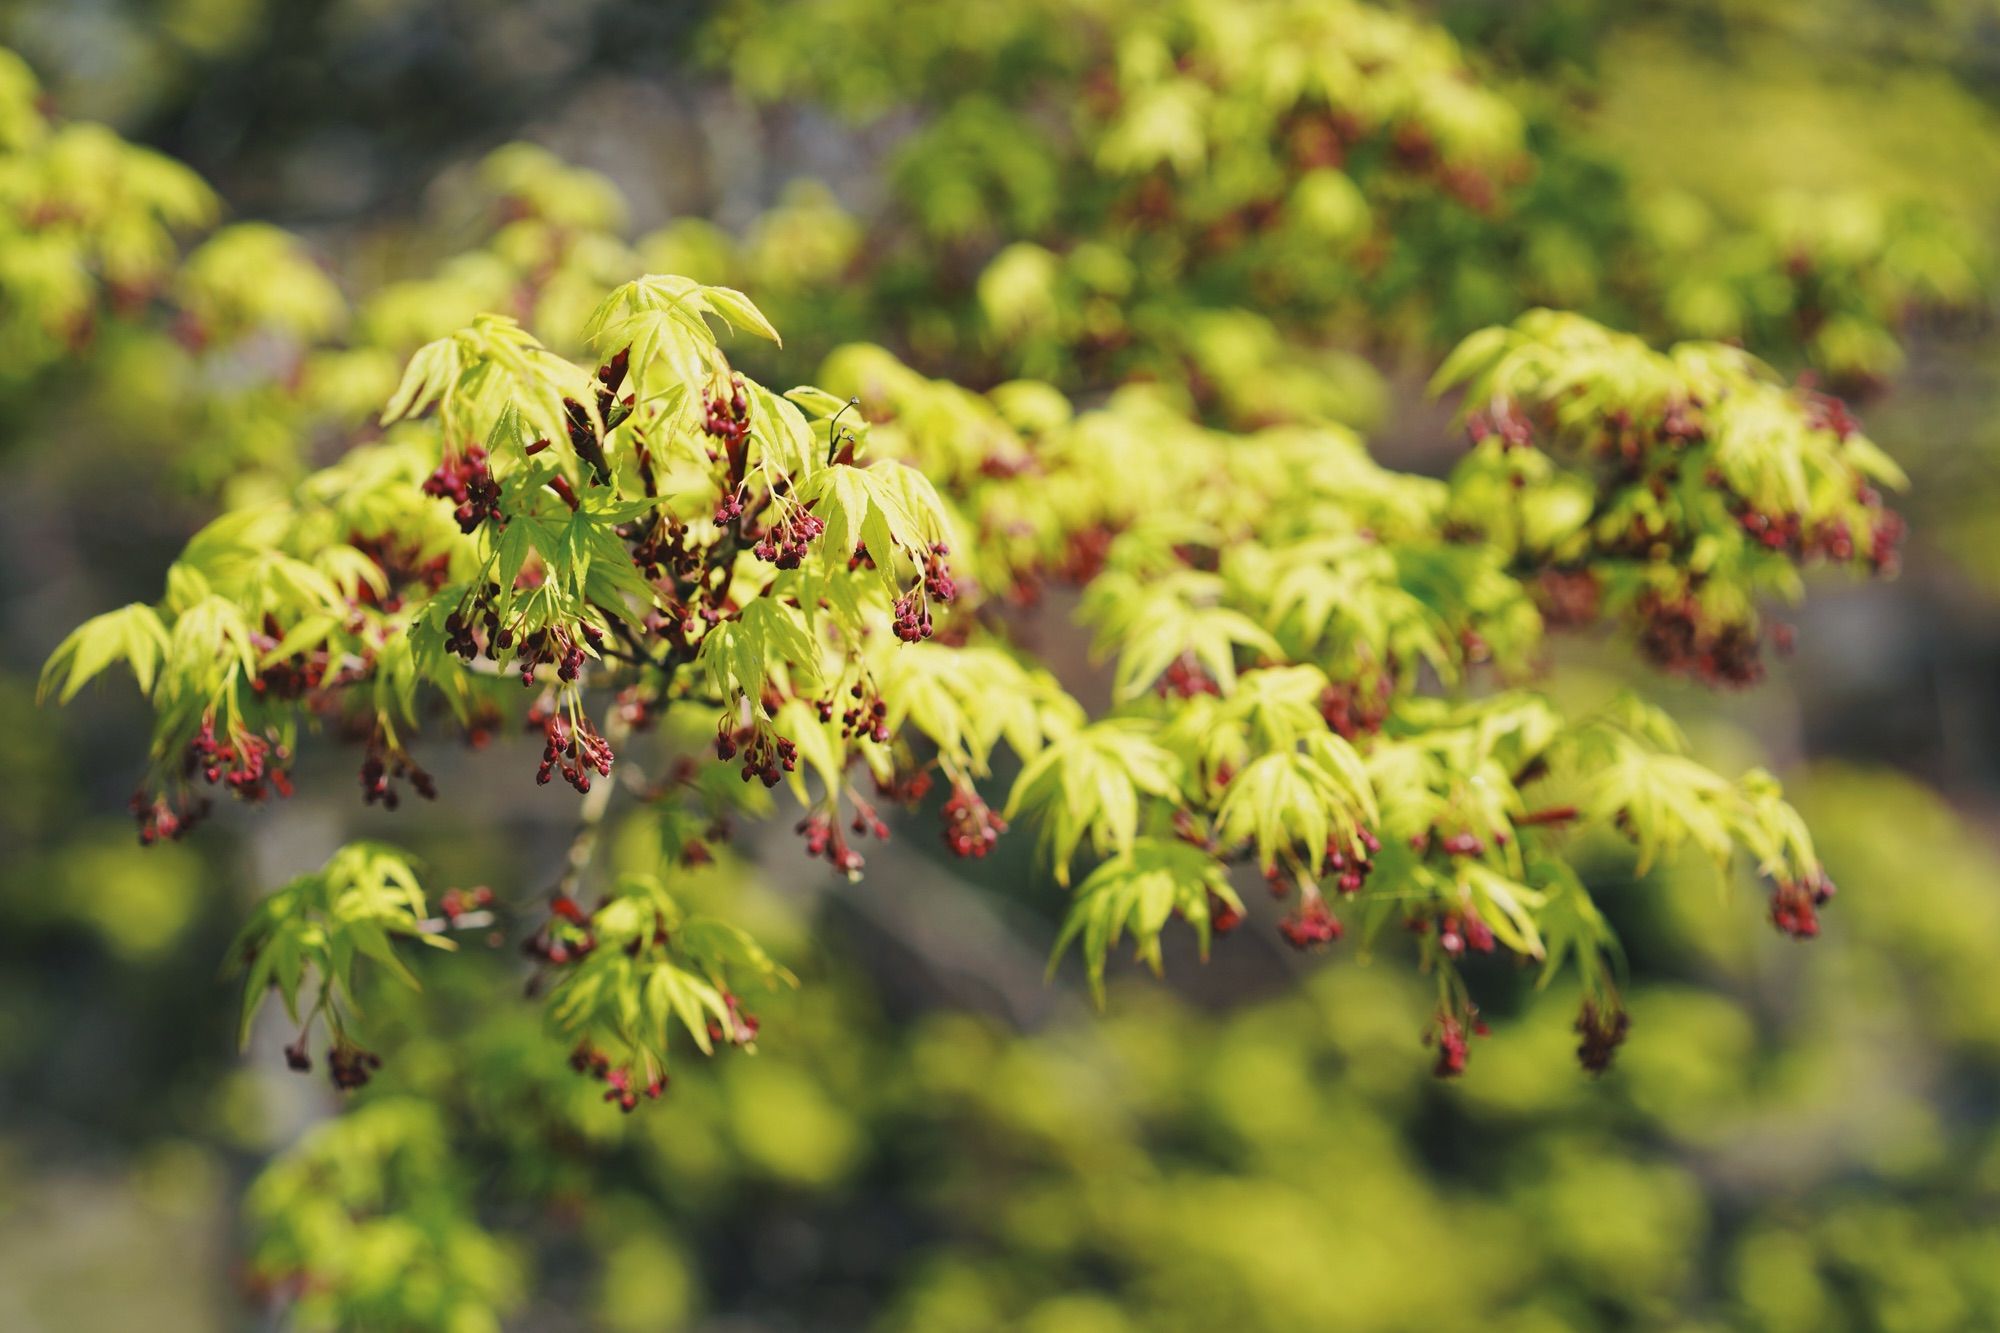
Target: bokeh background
x,y
935,1137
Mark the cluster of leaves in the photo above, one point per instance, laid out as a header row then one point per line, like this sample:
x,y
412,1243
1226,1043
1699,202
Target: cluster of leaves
x,y
304,941
1143,188
644,969
694,542
1143,1156
1836,277
1225,193
89,225
368,1222
1674,488
664,539
242,357
1276,603
617,541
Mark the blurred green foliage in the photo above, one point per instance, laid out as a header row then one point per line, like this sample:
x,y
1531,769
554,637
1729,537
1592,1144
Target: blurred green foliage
x,y
1794,1140
1791,1141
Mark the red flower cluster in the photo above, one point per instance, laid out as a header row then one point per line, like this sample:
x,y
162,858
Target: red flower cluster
x,y
1185,679
386,763
159,817
1505,421
766,757
912,611
466,480
905,788
1886,541
1795,905
1451,1033
913,619
1223,915
575,750
1462,930
824,841
403,565
1350,869
558,645
1313,926
742,1027
349,1066
564,937
622,1089
728,419
869,717
1677,636
1351,708
1775,532
245,763
970,826
1826,412
1603,1032
1568,598
1462,844
785,542
455,903
291,677
459,638
938,583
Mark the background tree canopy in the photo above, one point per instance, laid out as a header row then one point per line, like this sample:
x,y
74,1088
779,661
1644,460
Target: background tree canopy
x,y
1373,453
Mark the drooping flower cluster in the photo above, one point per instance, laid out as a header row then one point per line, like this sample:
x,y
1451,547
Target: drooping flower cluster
x,y
938,583
466,480
1461,930
458,628
728,419
1602,1031
455,904
785,542
1223,915
970,828
559,645
290,677
1568,598
1679,636
386,763
824,841
349,1065
1350,868
912,622
563,937
166,817
246,763
868,717
1184,678
1451,1032
1505,421
1795,905
1352,708
905,787
1313,926
742,1027
767,757
622,1089
405,570
575,748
